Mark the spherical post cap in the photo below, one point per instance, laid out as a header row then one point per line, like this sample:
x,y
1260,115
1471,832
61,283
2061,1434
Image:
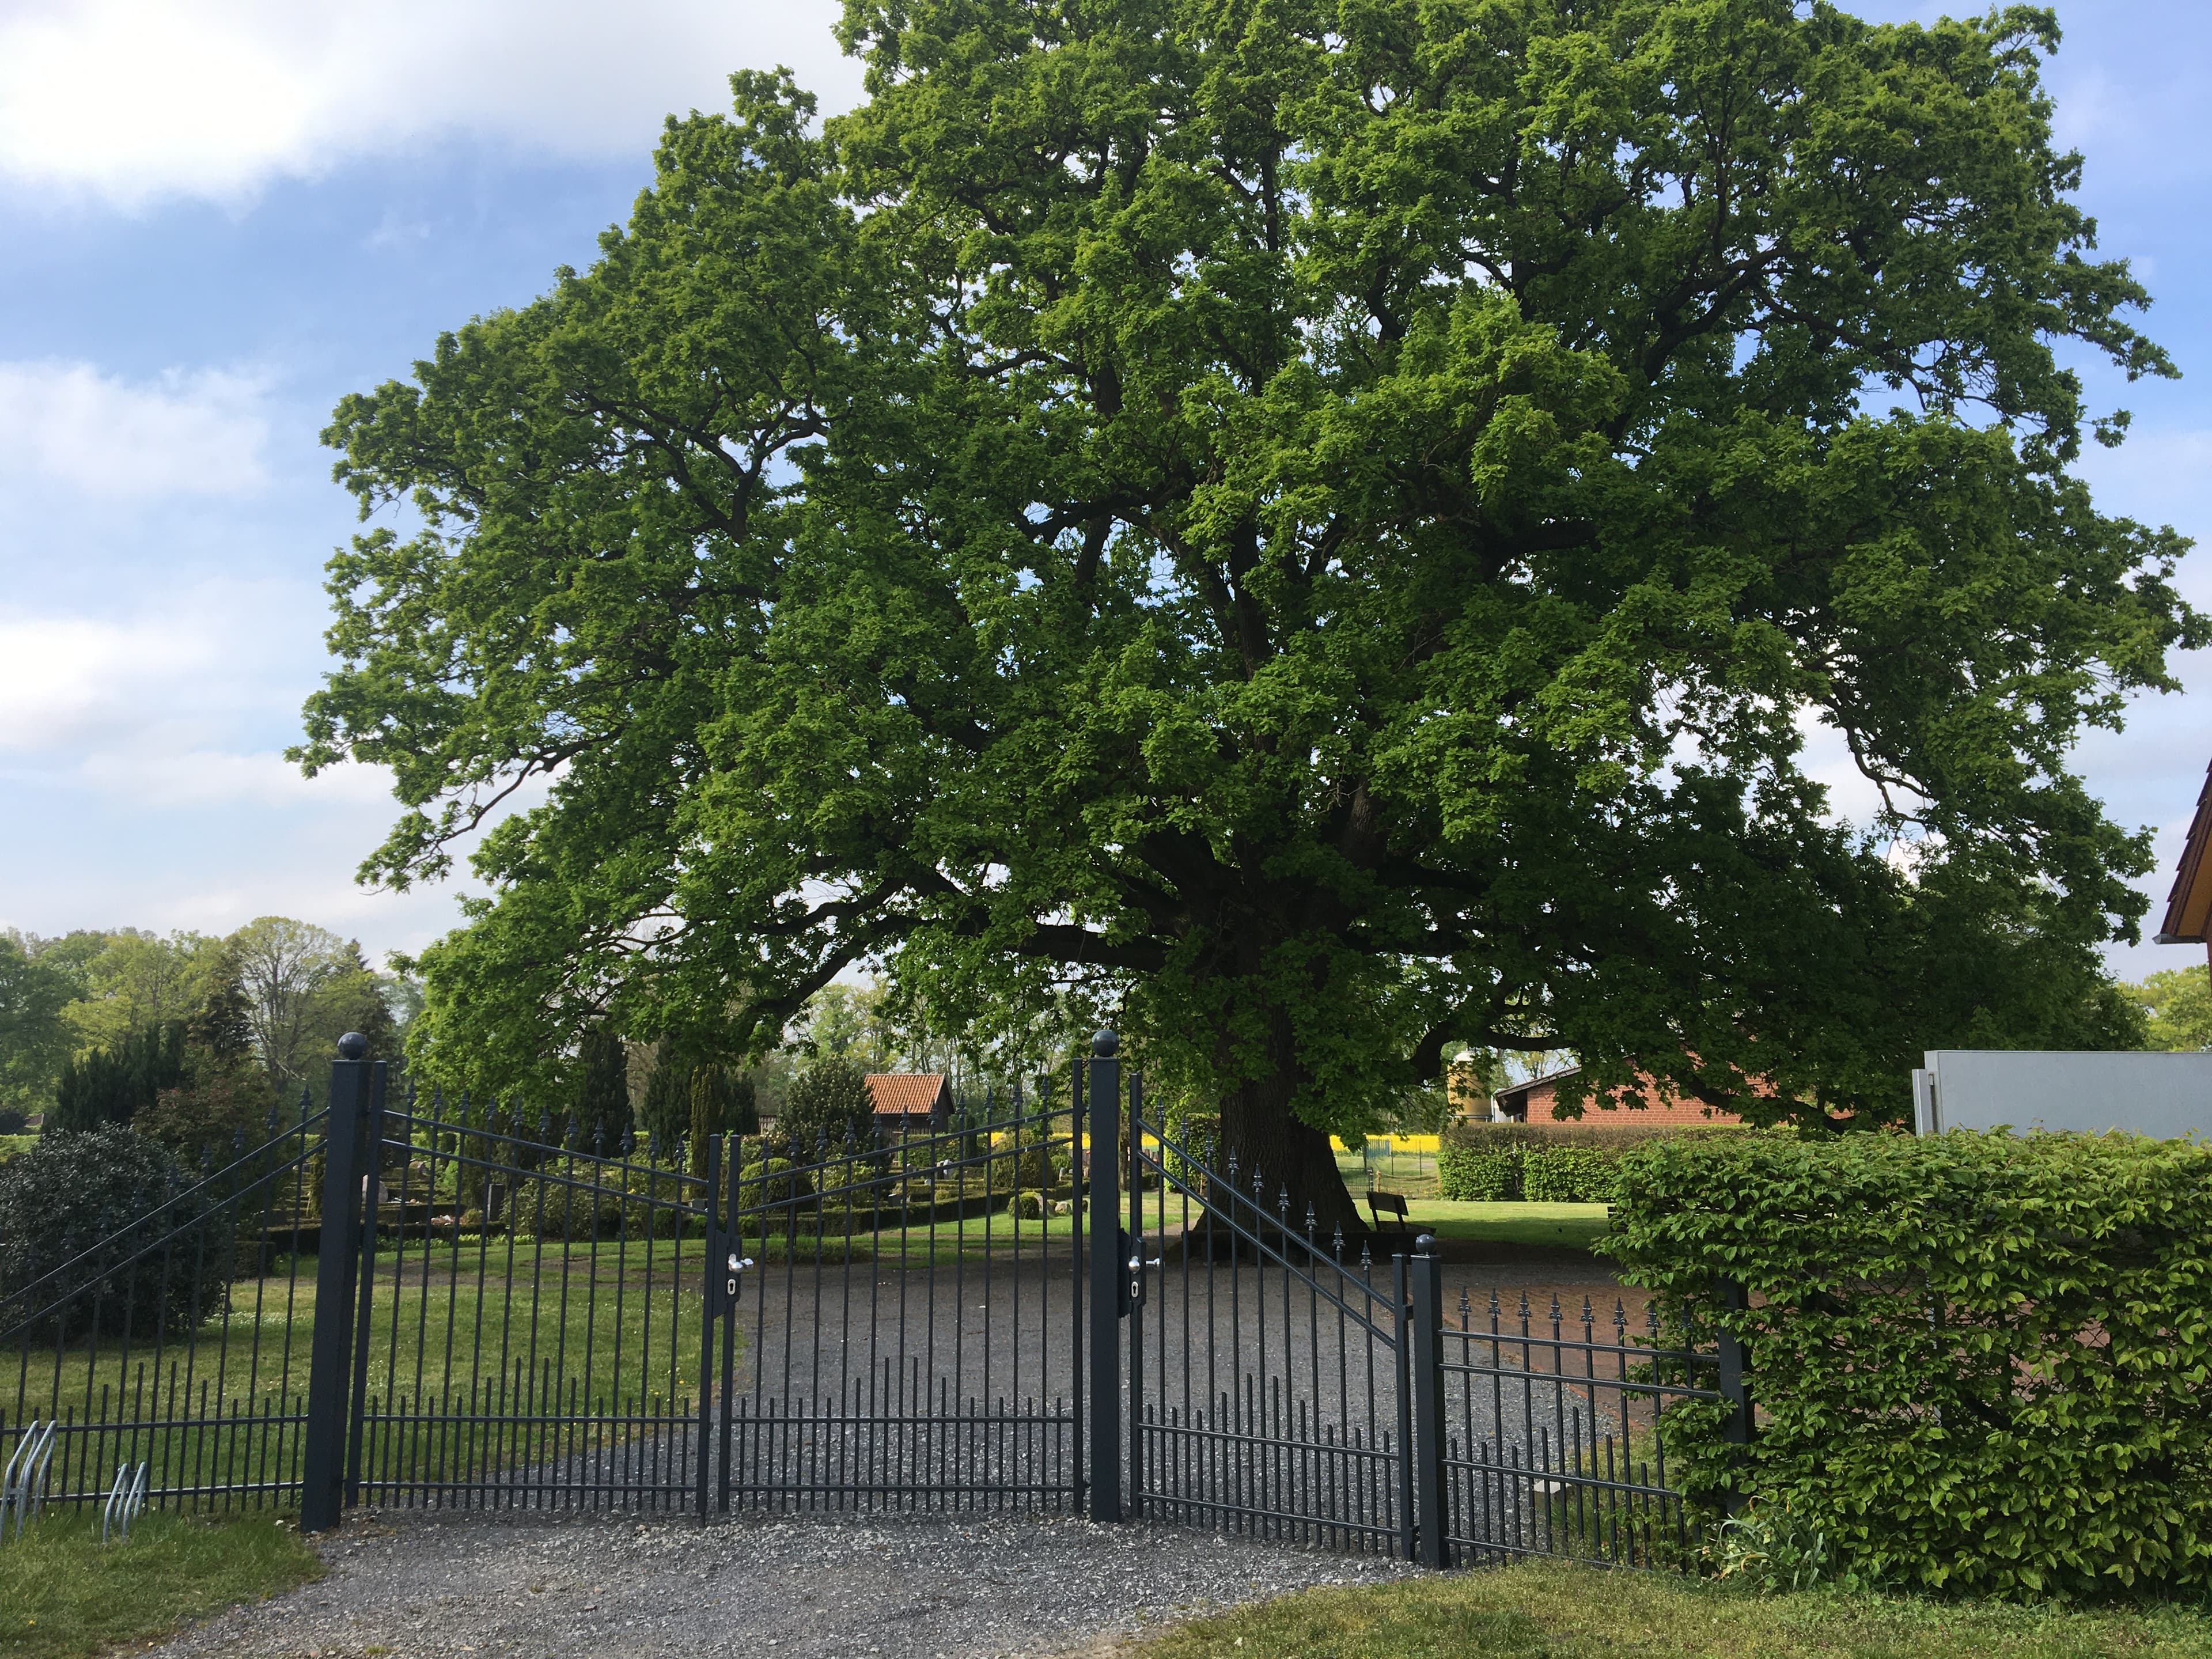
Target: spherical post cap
x,y
353,1046
1425,1244
1105,1045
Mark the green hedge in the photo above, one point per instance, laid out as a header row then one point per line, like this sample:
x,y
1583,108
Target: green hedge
x,y
1545,1175
1982,1365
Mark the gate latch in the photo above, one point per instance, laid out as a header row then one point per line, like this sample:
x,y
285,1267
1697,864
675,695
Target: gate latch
x,y
738,1264
1138,1262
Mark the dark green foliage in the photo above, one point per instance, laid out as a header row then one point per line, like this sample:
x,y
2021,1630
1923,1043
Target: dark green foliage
x,y
1569,1174
767,1190
13,1123
827,1107
114,1085
1983,1364
220,1110
222,1026
723,1102
70,1193
603,1115
665,1114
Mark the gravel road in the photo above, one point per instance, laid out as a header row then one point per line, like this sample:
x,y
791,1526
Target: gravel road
x,y
923,1586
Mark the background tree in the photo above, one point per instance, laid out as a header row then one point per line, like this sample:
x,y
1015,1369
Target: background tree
x,y
2177,1008
827,1106
1321,528
35,1039
111,1086
602,1111
137,979
304,987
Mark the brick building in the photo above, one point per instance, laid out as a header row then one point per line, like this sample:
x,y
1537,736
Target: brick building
x,y
1534,1101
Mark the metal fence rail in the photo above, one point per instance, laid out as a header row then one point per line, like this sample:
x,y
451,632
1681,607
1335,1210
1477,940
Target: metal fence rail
x,y
416,1305
141,1346
1267,1374
910,1332
1551,1441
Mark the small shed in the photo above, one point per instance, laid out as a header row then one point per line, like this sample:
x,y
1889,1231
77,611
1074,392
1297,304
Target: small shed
x,y
910,1102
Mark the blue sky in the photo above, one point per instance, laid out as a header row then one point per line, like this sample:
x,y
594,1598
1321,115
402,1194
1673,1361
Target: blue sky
x,y
216,218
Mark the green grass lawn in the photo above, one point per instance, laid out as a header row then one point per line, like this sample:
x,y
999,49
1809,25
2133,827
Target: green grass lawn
x,y
1548,1610
593,1325
64,1594
11,1145
1570,1226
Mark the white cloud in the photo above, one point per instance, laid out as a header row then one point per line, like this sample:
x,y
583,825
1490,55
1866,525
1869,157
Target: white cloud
x,y
135,99
159,777
64,681
197,434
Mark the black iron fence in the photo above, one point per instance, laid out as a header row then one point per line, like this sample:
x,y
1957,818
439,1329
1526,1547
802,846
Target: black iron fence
x,y
175,1340
425,1303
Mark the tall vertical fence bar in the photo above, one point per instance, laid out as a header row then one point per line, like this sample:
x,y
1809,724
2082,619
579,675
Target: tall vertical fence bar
x,y
1049,1305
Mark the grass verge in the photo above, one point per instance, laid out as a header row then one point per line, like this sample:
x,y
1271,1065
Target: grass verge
x,y
1562,1226
1551,1610
64,1594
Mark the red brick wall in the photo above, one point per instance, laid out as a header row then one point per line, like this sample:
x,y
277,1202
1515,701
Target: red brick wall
x,y
1677,1109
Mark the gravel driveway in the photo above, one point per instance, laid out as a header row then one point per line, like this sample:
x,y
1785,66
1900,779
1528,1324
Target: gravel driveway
x,y
923,1586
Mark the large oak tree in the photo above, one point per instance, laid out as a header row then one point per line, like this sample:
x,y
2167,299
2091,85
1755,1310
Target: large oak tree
x,y
1329,521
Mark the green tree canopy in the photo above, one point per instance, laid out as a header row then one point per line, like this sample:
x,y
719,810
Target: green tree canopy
x,y
2176,1007
34,1038
1325,525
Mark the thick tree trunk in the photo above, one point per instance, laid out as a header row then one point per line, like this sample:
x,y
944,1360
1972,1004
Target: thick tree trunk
x,y
1285,1158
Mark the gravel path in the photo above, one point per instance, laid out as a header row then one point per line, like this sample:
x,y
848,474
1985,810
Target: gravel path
x,y
880,1587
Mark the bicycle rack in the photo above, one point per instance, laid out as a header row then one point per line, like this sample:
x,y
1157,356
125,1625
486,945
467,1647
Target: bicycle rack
x,y
124,1500
23,1485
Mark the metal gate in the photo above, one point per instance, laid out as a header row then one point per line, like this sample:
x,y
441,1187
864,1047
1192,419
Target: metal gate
x,y
1291,1386
1050,1306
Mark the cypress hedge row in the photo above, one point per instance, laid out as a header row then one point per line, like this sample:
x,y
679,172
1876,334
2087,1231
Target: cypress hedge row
x,y
1981,1364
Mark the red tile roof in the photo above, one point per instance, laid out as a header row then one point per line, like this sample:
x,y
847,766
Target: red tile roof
x,y
906,1094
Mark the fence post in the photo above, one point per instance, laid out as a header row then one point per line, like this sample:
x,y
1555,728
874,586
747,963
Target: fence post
x,y
1106,1271
1133,1280
361,1284
330,1369
1734,1383
709,1305
1427,1450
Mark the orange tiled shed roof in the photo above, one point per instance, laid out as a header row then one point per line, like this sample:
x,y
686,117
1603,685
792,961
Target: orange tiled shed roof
x,y
905,1094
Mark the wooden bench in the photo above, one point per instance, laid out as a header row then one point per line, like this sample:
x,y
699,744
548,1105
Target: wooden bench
x,y
1395,1204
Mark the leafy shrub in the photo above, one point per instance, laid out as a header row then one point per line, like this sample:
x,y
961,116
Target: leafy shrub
x,y
771,1186
1768,1549
1471,1177
554,1210
1021,1166
828,1105
1569,1174
104,1187
1030,1206
13,1123
1982,1363
216,1112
